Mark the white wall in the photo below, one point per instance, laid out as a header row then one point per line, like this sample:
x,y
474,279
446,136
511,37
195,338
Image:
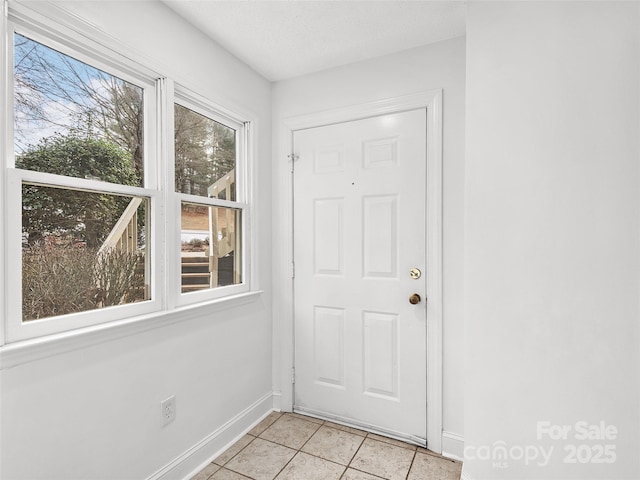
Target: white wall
x,y
435,66
95,412
551,234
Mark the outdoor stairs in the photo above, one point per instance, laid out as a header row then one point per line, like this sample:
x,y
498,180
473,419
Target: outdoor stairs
x,y
195,273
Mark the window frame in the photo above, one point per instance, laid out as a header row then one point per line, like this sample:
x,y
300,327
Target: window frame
x,y
184,97
16,328
167,303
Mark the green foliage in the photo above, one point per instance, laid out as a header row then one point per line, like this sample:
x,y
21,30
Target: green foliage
x,y
205,151
85,216
83,157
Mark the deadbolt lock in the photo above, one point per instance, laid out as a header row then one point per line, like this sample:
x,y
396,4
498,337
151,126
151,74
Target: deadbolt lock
x,y
414,299
415,273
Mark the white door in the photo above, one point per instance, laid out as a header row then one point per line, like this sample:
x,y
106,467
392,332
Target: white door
x,y
359,230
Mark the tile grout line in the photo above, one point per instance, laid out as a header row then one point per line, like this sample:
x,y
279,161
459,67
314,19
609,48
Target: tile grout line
x,y
329,425
229,461
241,450
345,467
413,459
348,465
288,461
367,436
354,456
366,473
298,450
323,424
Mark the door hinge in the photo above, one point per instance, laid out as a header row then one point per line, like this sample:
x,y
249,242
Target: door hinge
x,y
293,157
293,270
293,374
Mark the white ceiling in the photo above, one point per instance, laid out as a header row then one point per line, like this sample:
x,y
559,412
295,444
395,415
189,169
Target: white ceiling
x,y
285,39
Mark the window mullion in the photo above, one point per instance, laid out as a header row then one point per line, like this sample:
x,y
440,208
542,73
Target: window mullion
x,y
171,226
5,135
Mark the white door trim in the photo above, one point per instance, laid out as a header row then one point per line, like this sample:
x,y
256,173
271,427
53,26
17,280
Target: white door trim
x,y
283,281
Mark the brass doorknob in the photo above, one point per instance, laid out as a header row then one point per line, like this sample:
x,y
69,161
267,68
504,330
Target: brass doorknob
x,y
414,299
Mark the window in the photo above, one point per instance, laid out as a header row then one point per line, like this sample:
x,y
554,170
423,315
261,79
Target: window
x,y
57,97
88,223
78,184
209,246
206,152
81,251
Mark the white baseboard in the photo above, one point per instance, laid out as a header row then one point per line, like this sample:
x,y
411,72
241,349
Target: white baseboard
x,y
277,400
205,451
452,446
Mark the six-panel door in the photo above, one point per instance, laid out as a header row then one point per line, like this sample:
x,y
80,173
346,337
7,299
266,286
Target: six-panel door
x,y
359,230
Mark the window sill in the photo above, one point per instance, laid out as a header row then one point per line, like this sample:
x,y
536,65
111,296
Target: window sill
x,y
19,353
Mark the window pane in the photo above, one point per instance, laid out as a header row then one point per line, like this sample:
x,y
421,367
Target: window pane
x,y
67,106
81,251
210,247
205,156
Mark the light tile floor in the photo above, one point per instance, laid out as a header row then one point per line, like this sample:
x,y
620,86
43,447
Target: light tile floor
x,y
294,447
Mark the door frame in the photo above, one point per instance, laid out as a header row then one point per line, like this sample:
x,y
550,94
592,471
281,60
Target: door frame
x,y
284,339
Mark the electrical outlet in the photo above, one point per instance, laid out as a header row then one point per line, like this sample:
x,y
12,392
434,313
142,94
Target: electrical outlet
x,y
168,410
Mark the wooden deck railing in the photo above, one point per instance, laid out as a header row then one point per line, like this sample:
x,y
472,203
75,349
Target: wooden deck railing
x,y
223,219
124,234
